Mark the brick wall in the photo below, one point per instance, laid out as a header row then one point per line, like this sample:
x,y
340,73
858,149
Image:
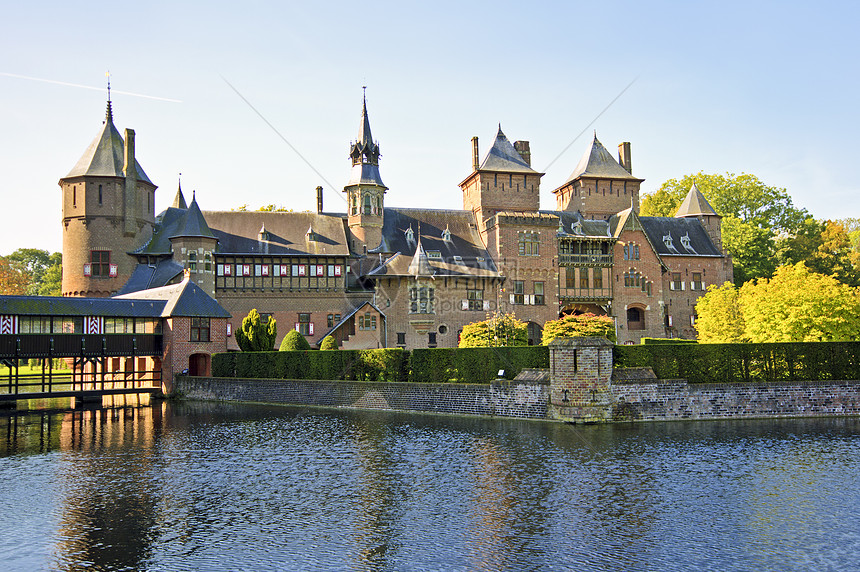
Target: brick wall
x,y
178,346
667,400
504,399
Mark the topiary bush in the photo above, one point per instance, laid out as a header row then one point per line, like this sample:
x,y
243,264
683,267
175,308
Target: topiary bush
x,y
294,341
328,343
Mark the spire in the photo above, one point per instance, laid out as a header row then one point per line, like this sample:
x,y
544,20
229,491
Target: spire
x,y
420,265
109,114
179,200
365,154
502,156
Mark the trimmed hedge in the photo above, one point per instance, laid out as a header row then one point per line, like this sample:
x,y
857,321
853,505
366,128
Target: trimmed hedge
x,y
667,341
717,363
475,365
366,365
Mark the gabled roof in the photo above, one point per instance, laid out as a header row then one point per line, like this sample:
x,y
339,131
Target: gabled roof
x,y
574,224
624,220
238,232
183,299
57,306
599,163
503,157
346,318
672,236
695,204
105,155
450,235
145,276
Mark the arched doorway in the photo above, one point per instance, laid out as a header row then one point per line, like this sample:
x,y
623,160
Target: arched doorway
x,y
635,319
535,334
198,364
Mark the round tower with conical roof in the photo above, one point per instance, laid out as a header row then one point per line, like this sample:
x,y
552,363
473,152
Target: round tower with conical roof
x,y
108,209
365,191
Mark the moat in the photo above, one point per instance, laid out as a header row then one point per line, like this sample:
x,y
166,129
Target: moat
x,y
205,486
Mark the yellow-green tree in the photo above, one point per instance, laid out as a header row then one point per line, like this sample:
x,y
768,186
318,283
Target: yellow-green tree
x,y
798,305
719,316
498,330
255,335
578,326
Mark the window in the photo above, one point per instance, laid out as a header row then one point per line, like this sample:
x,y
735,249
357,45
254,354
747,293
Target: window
x,y
401,338
434,254
475,299
697,282
192,261
208,261
299,270
422,300
199,329
631,251
539,299
100,260
519,290
332,320
100,195
598,278
570,277
74,196
334,270
529,244
304,325
583,278
367,322
676,283
367,207
431,339
354,205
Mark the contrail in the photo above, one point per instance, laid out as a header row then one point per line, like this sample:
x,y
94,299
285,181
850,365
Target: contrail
x,y
593,121
89,87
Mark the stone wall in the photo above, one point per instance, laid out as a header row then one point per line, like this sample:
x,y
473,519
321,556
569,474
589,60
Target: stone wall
x,y
666,400
503,399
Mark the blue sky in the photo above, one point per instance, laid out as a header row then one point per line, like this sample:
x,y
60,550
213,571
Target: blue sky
x,y
767,88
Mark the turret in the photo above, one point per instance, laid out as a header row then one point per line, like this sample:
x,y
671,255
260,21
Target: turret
x,y
108,210
695,205
365,191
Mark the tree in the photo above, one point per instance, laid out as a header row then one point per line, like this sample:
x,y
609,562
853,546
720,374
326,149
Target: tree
x,y
719,319
825,247
497,330
294,341
753,249
13,280
256,335
328,343
796,305
44,270
580,325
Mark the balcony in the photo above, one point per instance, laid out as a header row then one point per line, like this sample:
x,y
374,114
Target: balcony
x,y
594,259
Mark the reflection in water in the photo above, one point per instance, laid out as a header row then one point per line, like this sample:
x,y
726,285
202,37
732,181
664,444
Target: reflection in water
x,y
224,487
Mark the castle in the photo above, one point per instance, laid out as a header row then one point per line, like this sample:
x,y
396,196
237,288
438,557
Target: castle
x,y
380,276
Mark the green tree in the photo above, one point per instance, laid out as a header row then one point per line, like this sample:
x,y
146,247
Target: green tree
x,y
256,335
44,270
294,341
719,319
753,249
497,330
13,280
825,247
328,343
577,326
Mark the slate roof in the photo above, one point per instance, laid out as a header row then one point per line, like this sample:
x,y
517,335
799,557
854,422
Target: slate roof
x,y
686,236
449,238
146,276
365,155
57,306
574,224
193,224
695,204
238,232
105,155
179,199
503,157
420,265
599,163
183,299
170,222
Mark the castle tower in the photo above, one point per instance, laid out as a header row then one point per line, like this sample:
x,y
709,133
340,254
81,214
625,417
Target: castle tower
x,y
504,181
600,186
365,191
194,244
695,205
108,210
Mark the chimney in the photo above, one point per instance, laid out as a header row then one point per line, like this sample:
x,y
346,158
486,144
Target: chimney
x,y
319,200
524,150
129,169
475,157
624,156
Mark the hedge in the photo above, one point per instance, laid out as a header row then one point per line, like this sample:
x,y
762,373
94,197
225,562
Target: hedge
x,y
715,363
475,365
667,341
366,365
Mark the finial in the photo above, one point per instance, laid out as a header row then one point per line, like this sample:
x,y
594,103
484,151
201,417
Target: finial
x,y
109,114
180,182
194,195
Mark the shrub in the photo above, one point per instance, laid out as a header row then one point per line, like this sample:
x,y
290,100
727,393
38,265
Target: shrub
x,y
256,336
294,341
475,365
372,365
580,325
328,343
667,341
502,329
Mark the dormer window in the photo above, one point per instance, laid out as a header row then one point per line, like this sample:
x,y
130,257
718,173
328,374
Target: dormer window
x,y
458,260
434,254
263,236
410,235
685,242
667,240
310,235
446,235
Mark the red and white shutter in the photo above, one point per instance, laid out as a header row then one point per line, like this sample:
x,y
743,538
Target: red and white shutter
x,y
88,269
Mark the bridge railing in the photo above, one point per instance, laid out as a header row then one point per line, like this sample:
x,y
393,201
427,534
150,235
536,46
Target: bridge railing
x,y
25,346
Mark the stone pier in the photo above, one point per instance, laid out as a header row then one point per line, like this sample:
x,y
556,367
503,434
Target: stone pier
x,y
581,380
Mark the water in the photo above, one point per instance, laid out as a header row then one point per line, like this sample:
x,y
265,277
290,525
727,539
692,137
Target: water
x,y
220,487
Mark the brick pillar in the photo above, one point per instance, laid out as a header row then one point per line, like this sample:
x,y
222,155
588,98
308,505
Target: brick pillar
x,y
580,379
